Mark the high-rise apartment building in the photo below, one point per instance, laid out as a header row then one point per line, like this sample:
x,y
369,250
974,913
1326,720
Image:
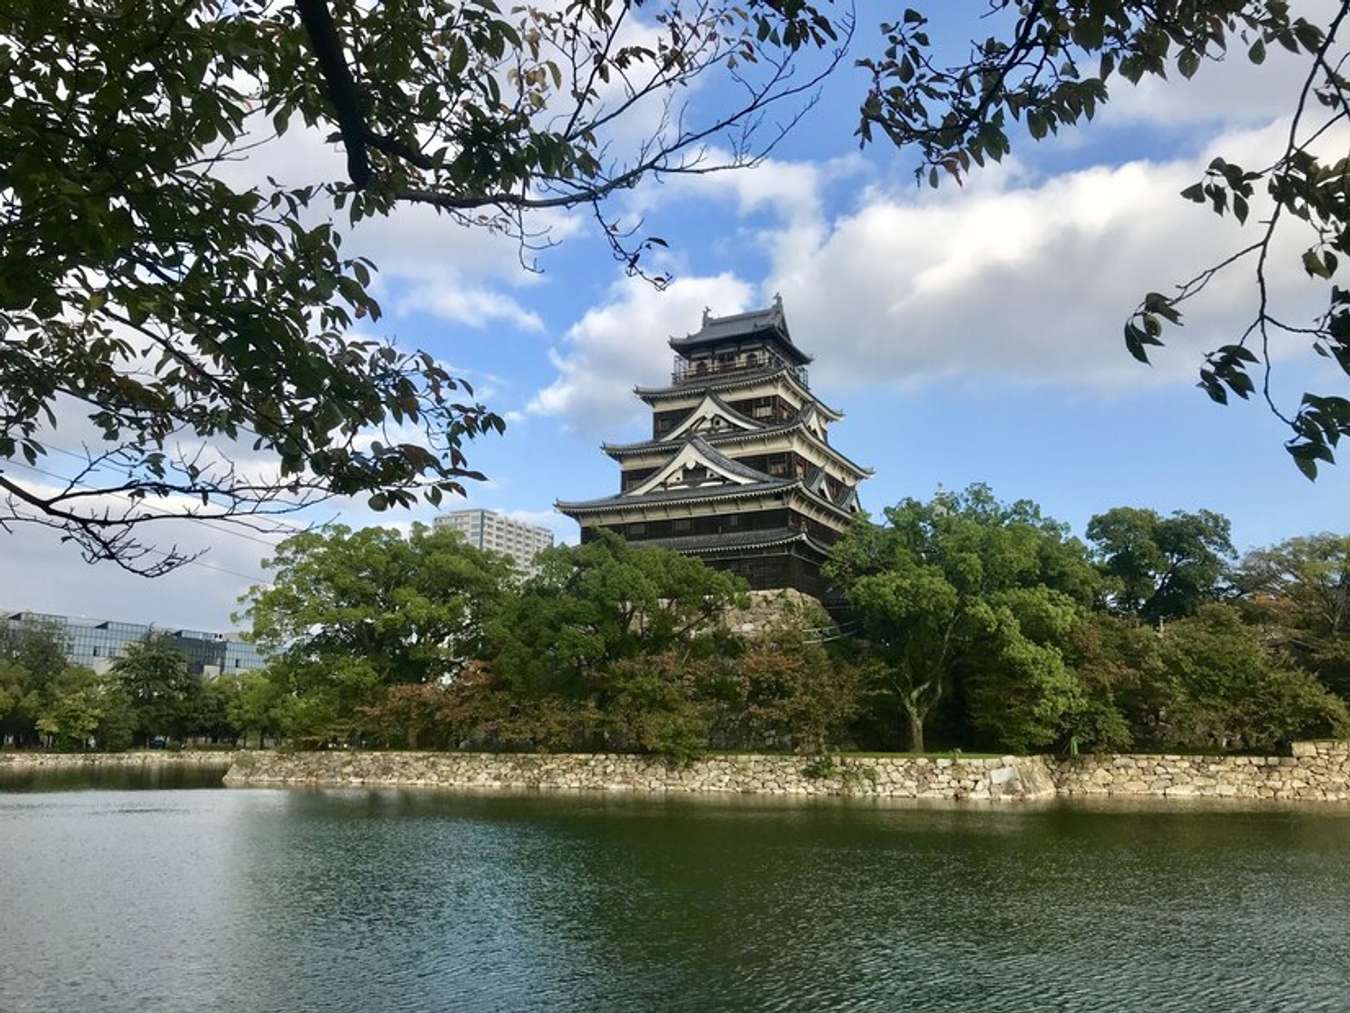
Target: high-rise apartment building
x,y
496,532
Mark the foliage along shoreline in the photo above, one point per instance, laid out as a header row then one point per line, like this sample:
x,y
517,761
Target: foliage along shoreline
x,y
975,625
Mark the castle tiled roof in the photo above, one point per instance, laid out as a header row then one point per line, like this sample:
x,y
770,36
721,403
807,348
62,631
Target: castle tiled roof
x,y
720,460
694,494
732,381
738,541
731,436
765,323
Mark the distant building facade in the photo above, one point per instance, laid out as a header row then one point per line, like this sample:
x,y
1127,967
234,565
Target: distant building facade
x,y
97,643
486,529
739,470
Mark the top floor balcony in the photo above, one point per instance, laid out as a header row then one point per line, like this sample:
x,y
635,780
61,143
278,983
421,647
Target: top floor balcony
x,y
697,369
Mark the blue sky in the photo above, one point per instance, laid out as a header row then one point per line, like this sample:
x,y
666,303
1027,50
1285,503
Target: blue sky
x,y
970,335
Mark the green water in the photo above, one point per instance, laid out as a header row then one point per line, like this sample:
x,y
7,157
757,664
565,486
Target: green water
x,y
295,900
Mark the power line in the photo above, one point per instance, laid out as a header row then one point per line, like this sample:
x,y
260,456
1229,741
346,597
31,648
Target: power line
x,y
206,521
168,513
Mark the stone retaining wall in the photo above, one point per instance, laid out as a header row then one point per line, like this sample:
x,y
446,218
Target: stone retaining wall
x,y
21,760
1316,771
1009,777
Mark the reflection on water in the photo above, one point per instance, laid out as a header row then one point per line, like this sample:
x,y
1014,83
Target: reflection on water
x,y
279,900
111,777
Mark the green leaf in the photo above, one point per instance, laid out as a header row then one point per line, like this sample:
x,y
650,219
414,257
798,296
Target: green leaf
x,y
1305,464
1257,54
459,57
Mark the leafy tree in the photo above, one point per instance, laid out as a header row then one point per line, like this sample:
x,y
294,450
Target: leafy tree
x,y
71,711
601,602
1217,685
351,611
1301,590
116,728
413,608
1048,64
653,704
254,709
411,715
32,655
1020,689
154,675
209,711
39,648
188,317
1162,568
20,705
944,587
789,692
1110,655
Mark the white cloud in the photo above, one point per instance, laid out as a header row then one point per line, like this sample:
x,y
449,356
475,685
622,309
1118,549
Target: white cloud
x,y
623,342
427,261
1232,91
449,299
1029,280
1015,278
40,573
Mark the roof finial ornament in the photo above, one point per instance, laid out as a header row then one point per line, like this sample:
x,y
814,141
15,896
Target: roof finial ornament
x,y
778,301
707,315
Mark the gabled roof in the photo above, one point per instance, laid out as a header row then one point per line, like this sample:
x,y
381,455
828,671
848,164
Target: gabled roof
x,y
698,451
726,436
697,494
713,405
733,436
770,323
735,381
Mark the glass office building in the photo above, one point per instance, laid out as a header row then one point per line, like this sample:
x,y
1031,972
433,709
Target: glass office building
x,y
97,643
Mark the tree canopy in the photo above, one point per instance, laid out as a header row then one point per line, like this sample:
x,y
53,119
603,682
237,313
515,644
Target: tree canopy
x,y
196,323
204,333
1050,64
965,583
1161,568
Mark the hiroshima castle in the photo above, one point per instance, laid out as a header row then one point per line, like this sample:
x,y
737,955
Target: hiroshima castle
x,y
739,470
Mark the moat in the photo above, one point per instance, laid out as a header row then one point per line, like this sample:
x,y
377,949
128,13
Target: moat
x,y
163,898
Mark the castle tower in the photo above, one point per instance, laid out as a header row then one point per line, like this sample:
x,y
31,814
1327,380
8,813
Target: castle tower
x,y
739,470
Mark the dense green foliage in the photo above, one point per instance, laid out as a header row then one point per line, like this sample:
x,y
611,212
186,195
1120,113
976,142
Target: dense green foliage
x,y
194,317
349,612
148,696
971,624
1161,568
608,646
966,586
988,621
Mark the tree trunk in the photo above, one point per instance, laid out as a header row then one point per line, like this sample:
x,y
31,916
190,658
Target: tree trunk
x,y
915,730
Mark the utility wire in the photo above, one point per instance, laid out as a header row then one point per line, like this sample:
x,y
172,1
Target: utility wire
x,y
207,522
160,552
